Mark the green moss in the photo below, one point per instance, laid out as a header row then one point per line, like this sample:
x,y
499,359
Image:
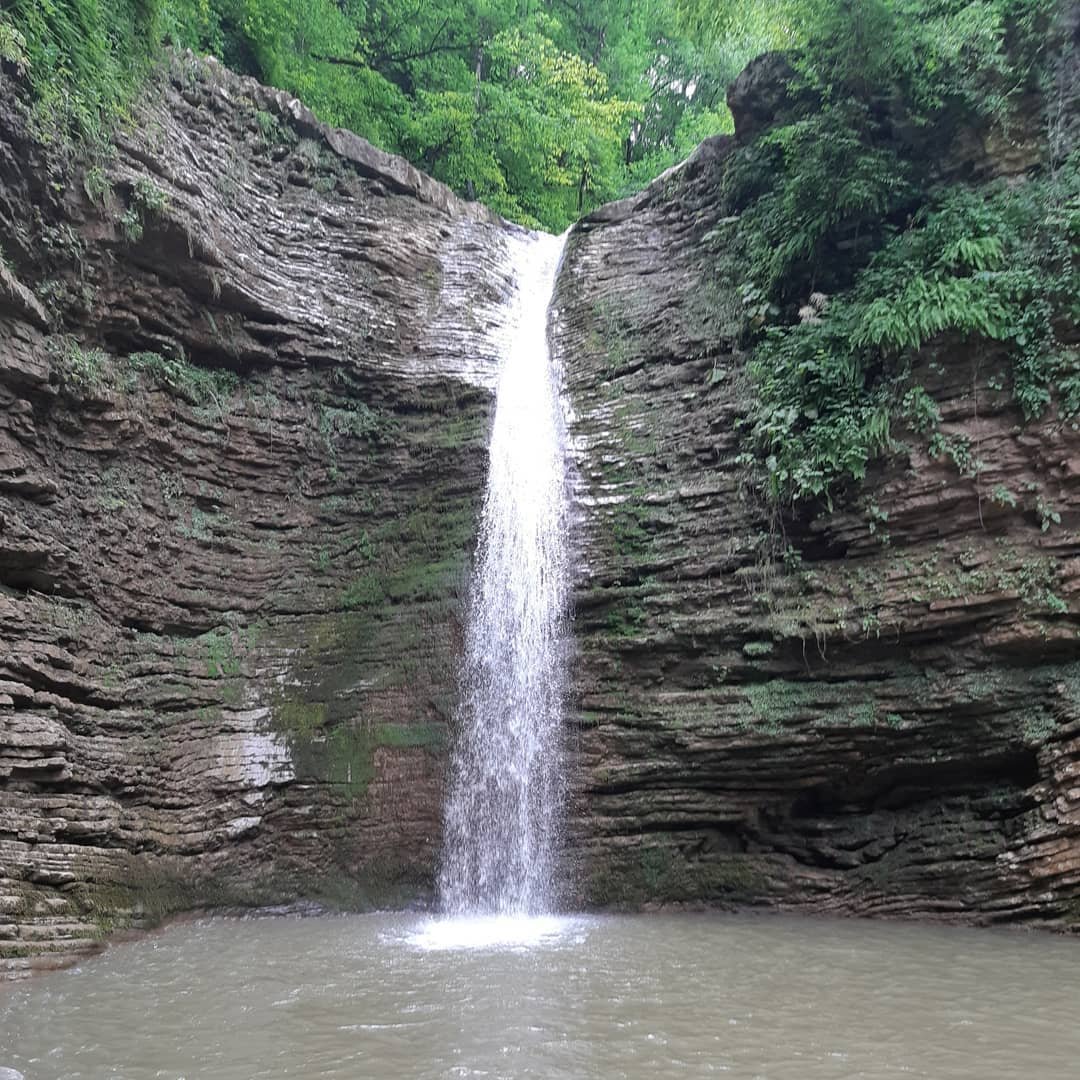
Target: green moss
x,y
428,736
364,592
147,891
456,433
201,525
632,539
755,649
425,581
1037,724
355,421
338,634
774,702
223,651
343,753
864,714
626,620
9,951
663,874
417,558
299,718
614,334
377,884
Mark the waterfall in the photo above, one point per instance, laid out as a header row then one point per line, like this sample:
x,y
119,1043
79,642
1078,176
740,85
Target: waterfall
x,y
506,783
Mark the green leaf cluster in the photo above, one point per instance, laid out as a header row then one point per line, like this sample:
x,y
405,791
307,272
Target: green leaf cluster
x,y
851,253
1001,264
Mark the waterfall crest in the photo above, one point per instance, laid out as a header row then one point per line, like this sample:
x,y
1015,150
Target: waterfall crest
x,y
506,785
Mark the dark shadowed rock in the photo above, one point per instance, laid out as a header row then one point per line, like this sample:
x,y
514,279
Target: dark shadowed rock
x,y
761,95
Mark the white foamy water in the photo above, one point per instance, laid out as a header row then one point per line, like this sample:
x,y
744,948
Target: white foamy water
x,y
496,932
502,812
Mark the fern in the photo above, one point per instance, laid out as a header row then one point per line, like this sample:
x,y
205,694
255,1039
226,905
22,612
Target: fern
x,y
999,265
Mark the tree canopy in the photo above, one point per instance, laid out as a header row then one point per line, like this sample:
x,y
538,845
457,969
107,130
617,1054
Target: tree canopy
x,y
541,108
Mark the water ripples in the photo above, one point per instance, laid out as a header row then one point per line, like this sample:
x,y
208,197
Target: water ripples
x,y
574,998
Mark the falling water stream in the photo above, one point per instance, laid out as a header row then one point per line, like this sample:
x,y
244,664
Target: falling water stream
x,y
506,781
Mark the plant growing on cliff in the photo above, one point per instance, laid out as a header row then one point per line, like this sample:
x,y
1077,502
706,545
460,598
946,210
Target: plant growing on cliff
x,y
84,370
998,265
84,58
12,46
147,199
841,202
198,385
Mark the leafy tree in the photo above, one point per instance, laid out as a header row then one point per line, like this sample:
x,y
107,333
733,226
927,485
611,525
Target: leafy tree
x,y
544,110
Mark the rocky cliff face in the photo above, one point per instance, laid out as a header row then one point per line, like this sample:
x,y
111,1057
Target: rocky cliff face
x,y
244,398
245,378
874,710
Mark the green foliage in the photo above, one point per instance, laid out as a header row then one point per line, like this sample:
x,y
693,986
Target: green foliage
x,y
222,657
976,53
97,185
271,130
84,58
356,421
146,195
1046,514
13,46
537,139
542,111
850,256
825,185
199,385
83,370
998,264
146,199
366,591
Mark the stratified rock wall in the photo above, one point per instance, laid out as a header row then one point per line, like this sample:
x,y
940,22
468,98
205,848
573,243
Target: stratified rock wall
x,y
244,394
246,365
873,711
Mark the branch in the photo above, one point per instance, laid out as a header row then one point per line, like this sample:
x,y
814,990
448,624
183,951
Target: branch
x,y
395,58
344,61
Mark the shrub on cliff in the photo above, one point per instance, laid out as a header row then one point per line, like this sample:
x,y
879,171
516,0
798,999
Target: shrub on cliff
x,y
862,236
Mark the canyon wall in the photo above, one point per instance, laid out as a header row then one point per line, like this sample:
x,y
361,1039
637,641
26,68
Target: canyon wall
x,y
867,709
246,366
244,396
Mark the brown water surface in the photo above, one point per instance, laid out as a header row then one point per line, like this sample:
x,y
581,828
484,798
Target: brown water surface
x,y
611,997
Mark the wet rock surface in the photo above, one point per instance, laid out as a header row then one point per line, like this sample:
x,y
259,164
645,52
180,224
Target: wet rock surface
x,y
244,401
874,710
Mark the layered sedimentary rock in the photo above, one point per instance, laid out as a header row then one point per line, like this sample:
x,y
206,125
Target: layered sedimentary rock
x,y
245,380
870,710
244,395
